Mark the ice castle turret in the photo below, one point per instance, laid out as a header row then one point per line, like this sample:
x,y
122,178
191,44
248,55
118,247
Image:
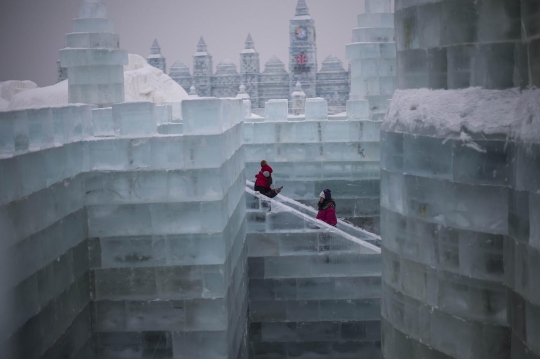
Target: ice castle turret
x,y
155,58
459,191
179,72
226,80
250,70
202,70
274,82
333,82
93,58
298,100
372,56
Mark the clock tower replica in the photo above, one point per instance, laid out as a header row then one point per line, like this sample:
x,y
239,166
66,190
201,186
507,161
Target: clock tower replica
x,y
303,51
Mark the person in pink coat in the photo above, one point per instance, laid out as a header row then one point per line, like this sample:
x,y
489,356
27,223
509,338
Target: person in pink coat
x,y
327,208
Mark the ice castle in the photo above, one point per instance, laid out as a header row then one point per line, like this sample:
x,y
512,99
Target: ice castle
x,y
129,229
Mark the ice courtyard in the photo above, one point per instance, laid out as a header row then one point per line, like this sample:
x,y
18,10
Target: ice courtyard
x,y
131,229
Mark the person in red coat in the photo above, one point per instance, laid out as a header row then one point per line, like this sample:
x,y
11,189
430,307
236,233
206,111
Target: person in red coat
x,y
263,182
327,208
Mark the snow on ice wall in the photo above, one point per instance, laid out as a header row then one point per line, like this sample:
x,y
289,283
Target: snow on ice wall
x,y
93,58
312,291
372,56
150,227
311,153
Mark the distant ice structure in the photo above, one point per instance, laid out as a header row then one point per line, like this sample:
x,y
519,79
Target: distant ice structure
x,y
299,100
372,57
460,188
93,58
155,58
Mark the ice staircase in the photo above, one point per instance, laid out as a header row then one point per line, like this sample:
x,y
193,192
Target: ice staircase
x,y
314,289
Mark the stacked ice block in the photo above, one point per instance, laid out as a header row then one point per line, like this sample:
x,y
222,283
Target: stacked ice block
x,y
44,280
313,153
372,56
314,291
166,221
93,58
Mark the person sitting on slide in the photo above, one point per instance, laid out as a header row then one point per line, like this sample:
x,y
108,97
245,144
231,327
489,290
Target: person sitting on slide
x,y
263,183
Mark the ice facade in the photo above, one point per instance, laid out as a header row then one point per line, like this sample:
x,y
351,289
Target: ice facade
x,y
313,152
372,57
313,292
330,83
121,242
459,190
156,59
93,58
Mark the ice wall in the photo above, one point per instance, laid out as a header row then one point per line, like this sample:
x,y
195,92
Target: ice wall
x,y
93,58
313,152
314,291
458,189
45,285
117,234
372,56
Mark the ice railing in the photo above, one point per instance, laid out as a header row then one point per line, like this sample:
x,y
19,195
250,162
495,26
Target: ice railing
x,y
363,238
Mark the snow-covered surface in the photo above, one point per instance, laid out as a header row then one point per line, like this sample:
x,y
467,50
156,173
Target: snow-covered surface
x,y
8,89
50,96
527,126
443,113
142,82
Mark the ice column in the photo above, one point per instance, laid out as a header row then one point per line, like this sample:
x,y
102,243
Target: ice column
x,y
372,56
459,200
166,218
93,58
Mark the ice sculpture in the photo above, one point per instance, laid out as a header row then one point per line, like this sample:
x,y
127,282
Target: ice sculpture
x,y
93,58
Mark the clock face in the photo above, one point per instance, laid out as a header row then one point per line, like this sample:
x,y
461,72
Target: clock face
x,y
301,33
301,59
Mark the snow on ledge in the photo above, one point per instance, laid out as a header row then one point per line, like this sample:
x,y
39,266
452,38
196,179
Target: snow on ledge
x,y
442,113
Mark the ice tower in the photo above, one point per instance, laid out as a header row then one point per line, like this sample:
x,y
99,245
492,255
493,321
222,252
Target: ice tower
x,y
372,57
250,70
202,70
333,83
93,58
274,82
303,51
156,59
459,183
179,72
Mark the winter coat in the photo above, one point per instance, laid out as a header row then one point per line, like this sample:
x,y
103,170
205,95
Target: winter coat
x,y
262,180
327,212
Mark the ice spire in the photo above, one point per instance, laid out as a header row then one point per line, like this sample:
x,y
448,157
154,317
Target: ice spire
x,y
201,46
301,8
250,44
193,91
155,49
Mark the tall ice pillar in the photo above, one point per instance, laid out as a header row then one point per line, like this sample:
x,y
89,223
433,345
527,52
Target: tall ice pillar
x,y
459,204
93,58
372,56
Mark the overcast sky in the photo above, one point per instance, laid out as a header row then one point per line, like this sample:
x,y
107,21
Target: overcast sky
x,y
33,31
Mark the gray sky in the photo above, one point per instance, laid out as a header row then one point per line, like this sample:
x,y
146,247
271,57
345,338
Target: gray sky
x,y
33,31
